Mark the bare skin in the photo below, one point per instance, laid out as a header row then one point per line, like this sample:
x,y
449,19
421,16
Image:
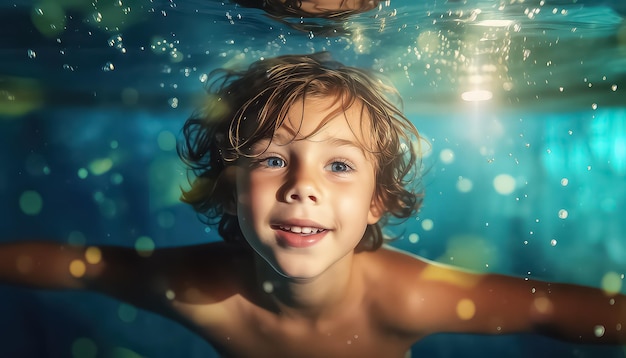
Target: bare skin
x,y
393,300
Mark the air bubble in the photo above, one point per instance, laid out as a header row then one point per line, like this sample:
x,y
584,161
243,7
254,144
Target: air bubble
x,y
598,330
108,67
115,41
173,102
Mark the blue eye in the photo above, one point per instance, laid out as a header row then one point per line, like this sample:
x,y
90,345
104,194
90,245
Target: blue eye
x,y
275,162
339,167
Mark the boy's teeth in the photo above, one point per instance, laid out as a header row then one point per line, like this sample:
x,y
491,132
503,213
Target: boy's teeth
x,y
301,229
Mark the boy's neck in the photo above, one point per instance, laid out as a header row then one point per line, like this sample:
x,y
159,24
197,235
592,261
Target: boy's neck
x,y
314,298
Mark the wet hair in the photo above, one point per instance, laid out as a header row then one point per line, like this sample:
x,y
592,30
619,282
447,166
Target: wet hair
x,y
244,107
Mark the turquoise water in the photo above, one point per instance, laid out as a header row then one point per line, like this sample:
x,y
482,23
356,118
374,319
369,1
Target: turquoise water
x,y
521,105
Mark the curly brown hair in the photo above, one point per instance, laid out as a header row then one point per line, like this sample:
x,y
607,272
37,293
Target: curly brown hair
x,y
244,107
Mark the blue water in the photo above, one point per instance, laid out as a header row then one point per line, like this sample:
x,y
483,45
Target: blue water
x,y
521,105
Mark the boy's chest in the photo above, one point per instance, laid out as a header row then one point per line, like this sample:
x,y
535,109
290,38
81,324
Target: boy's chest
x,y
267,335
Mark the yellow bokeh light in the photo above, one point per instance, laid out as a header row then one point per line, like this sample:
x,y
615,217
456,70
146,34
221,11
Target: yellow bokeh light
x,y
438,273
465,309
543,305
93,255
77,268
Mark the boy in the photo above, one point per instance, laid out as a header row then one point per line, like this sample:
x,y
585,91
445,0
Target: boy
x,y
300,161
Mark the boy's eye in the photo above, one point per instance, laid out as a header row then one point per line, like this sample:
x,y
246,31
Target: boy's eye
x,y
274,162
339,167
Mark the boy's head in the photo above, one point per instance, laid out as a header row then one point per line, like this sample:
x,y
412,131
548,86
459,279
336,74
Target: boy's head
x,y
247,107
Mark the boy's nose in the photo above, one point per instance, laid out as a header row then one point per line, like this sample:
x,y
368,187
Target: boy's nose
x,y
301,196
302,188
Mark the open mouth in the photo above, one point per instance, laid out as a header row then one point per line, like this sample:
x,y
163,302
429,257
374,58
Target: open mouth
x,y
302,230
289,236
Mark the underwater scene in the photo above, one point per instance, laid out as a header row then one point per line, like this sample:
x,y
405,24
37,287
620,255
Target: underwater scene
x,y
521,105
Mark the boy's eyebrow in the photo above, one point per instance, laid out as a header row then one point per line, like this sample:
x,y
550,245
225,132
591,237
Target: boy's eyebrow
x,y
338,142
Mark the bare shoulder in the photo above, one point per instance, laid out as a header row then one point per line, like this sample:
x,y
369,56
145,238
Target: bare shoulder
x,y
390,266
417,297
413,295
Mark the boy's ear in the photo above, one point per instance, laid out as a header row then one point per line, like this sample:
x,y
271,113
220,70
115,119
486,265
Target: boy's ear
x,y
377,210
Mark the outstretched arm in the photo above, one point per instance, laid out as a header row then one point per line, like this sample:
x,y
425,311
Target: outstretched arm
x,y
445,299
564,311
50,265
123,273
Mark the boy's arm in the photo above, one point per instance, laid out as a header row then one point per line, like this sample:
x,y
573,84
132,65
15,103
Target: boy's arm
x,y
496,304
49,265
123,273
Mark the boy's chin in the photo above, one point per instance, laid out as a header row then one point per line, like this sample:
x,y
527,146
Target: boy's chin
x,y
293,271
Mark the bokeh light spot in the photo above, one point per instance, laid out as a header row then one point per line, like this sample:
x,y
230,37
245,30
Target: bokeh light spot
x,y
465,309
144,246
268,287
93,255
127,313
77,268
31,202
543,305
427,224
504,184
100,166
446,156
464,185
471,252
611,283
166,141
117,179
82,173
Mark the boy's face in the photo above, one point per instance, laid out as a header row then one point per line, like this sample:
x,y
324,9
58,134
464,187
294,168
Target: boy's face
x,y
303,204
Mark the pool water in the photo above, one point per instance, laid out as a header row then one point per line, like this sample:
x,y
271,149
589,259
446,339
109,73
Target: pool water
x,y
521,105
